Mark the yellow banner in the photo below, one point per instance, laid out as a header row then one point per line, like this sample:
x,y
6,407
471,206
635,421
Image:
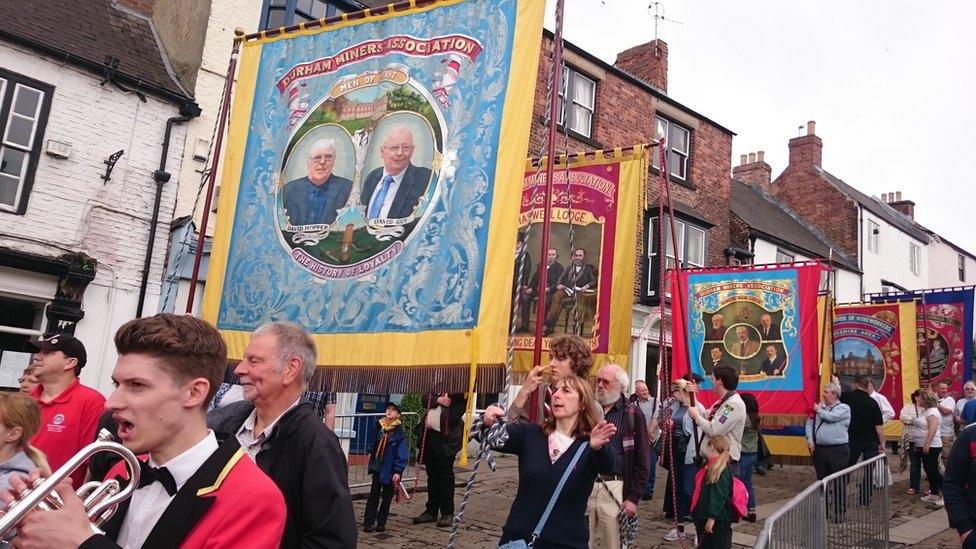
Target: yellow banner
x,y
369,187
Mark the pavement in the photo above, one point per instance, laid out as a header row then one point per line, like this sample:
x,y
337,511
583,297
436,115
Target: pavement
x,y
914,523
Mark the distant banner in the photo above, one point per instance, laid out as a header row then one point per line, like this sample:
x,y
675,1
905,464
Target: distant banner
x,y
944,334
369,186
761,321
878,340
592,238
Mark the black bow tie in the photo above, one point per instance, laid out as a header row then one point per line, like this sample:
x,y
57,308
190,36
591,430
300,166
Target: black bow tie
x,y
150,474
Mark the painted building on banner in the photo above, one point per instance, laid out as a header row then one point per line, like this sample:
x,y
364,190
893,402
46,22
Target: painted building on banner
x,y
93,114
765,230
605,106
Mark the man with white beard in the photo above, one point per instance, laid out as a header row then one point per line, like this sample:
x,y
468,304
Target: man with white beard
x,y
623,488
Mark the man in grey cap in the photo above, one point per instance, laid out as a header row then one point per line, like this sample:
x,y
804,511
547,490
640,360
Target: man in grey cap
x,y
69,410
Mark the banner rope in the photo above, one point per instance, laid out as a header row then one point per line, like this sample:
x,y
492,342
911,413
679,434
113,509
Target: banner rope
x,y
204,175
496,435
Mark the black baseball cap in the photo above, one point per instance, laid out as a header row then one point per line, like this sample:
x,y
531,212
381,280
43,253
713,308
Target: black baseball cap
x,y
66,343
394,406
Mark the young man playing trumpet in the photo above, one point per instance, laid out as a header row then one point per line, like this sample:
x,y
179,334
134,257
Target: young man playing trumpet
x,y
193,492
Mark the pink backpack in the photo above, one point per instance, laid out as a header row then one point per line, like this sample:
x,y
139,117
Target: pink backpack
x,y
740,495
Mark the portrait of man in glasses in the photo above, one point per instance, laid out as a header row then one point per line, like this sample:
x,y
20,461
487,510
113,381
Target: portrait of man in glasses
x,y
315,198
393,190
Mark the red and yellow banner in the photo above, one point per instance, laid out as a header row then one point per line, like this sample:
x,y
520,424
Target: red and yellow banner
x,y
878,340
593,235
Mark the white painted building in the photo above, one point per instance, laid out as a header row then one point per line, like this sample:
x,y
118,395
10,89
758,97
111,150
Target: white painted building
x,y
73,240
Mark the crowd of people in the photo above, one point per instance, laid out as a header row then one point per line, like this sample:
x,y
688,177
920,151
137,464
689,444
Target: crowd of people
x,y
251,453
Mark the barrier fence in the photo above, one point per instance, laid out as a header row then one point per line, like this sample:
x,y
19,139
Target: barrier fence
x,y
850,508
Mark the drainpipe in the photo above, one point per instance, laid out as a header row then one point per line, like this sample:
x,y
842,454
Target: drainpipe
x,y
187,112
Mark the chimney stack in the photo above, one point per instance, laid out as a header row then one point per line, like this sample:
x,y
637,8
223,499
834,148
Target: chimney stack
x,y
904,207
647,62
754,171
806,150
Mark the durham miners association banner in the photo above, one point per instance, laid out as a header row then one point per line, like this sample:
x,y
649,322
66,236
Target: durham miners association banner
x,y
762,321
592,238
878,340
371,178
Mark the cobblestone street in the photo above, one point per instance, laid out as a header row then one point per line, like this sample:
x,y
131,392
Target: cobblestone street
x,y
491,499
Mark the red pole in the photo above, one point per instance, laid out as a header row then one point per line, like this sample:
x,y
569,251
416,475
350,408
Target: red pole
x,y
540,313
212,176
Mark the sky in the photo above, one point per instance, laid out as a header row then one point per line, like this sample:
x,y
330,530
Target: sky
x,y
891,85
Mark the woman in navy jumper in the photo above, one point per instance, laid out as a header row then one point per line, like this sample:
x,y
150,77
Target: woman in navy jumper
x,y
544,453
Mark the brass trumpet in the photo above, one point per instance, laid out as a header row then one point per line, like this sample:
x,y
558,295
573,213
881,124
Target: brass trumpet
x,y
101,499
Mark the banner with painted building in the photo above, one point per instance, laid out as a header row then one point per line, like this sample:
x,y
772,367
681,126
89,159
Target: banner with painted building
x,y
369,189
878,340
592,238
944,334
763,321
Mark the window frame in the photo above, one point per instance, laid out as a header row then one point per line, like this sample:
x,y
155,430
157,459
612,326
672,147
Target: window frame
x,y
9,88
291,15
873,236
651,254
685,155
781,254
915,258
565,89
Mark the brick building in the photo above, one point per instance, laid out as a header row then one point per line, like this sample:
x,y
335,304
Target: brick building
x,y
606,106
892,251
94,126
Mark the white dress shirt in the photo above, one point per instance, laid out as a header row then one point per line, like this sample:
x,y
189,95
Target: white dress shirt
x,y
149,502
251,442
887,412
390,194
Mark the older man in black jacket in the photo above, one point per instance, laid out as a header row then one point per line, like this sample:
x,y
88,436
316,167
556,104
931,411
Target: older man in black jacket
x,y
440,435
287,438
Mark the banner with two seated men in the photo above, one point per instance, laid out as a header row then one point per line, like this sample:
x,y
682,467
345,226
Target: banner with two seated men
x,y
592,238
370,187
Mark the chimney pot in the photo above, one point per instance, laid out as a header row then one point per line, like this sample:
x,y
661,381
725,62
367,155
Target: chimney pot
x,y
897,196
760,155
742,159
752,157
884,197
811,128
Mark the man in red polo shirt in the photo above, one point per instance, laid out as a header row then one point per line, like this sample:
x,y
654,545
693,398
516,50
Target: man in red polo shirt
x,y
69,410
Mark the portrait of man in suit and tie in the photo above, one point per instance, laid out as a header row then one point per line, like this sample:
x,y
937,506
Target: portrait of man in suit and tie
x,y
393,190
316,198
578,278
715,358
530,292
743,345
768,331
717,331
775,363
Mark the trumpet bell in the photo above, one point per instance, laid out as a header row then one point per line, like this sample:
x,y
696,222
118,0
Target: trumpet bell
x,y
101,499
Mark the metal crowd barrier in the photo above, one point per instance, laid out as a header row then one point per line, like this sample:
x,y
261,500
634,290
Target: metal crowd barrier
x,y
850,508
354,432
